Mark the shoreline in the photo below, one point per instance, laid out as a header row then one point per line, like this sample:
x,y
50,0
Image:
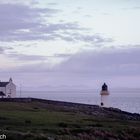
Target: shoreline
x,y
32,118
126,102
81,107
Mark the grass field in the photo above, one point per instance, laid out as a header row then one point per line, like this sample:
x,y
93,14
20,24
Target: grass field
x,y
38,121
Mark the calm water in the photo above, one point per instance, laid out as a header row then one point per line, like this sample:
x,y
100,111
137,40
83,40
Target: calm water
x,y
127,101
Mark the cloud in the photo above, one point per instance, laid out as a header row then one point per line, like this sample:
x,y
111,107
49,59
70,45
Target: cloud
x,y
4,49
115,62
86,68
132,8
17,20
20,22
62,55
92,39
1,50
26,2
105,63
52,4
27,58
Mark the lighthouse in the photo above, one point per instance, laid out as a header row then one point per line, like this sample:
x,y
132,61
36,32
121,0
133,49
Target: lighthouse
x,y
104,96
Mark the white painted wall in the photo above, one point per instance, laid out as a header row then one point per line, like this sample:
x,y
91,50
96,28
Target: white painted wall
x,y
10,90
105,100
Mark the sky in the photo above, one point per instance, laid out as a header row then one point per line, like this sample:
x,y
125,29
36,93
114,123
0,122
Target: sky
x,y
51,44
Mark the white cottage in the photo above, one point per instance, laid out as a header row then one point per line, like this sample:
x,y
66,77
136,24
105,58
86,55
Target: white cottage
x,y
8,89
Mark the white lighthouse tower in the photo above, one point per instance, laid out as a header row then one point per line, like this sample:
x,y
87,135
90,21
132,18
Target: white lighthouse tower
x,y
104,96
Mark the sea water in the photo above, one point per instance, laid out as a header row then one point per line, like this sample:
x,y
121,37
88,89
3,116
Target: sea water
x,y
126,101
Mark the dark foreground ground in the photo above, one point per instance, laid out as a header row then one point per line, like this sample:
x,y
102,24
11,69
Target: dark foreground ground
x,y
35,119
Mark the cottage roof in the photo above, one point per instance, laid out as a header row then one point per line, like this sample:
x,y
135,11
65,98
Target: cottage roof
x,y
1,93
3,84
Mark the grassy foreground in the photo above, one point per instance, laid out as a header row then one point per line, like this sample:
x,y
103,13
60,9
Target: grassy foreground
x,y
41,121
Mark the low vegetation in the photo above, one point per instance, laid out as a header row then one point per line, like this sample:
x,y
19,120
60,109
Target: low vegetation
x,y
41,121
